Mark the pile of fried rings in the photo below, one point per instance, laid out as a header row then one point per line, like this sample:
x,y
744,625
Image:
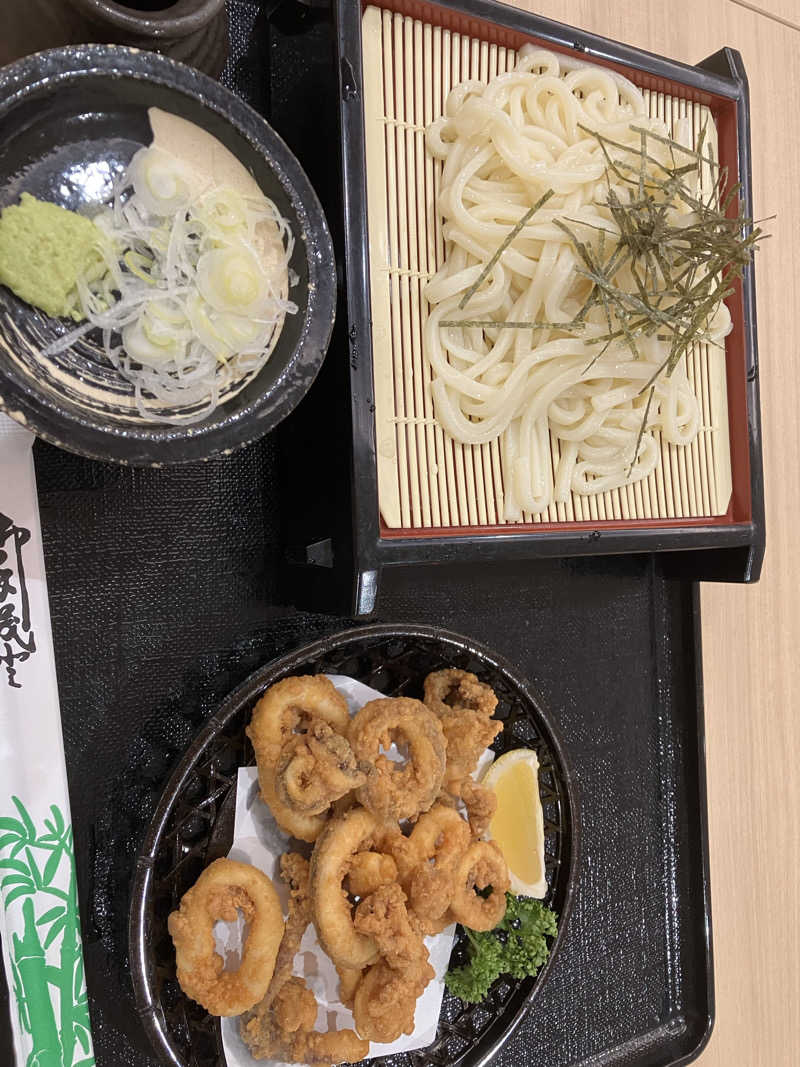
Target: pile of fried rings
x,y
393,859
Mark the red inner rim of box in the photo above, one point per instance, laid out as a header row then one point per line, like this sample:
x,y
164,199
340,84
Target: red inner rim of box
x,y
724,111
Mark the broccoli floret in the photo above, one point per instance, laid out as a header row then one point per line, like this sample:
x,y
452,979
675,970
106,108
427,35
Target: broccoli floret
x,y
517,946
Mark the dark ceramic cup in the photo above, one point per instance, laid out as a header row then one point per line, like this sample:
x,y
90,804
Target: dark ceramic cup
x,y
192,31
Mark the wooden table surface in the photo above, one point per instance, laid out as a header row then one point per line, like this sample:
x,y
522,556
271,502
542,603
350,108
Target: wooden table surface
x,y
751,635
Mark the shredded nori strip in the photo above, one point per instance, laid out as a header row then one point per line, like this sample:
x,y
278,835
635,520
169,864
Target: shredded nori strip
x,y
506,242
509,324
681,272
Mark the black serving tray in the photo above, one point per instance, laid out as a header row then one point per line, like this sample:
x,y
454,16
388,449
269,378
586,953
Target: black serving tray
x,y
168,588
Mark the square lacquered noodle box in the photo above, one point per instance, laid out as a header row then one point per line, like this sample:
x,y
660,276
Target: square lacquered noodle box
x,y
419,496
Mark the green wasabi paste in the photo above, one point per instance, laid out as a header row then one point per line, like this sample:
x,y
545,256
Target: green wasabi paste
x,y
44,248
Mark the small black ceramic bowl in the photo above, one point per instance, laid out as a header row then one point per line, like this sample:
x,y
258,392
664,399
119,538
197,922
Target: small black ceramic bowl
x,y
70,121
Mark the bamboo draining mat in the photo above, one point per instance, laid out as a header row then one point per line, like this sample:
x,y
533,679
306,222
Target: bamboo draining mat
x,y
425,479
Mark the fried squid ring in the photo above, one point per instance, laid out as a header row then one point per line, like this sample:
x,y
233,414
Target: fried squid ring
x,y
481,804
316,768
452,690
349,978
464,707
440,837
295,1007
340,840
221,890
284,1030
385,1001
288,708
332,1046
468,734
391,841
482,866
384,916
294,872
395,790
368,872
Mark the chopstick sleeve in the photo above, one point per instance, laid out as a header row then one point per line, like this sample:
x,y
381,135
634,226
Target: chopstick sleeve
x,y
39,921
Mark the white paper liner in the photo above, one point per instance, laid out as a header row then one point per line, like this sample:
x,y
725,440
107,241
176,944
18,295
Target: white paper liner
x,y
257,839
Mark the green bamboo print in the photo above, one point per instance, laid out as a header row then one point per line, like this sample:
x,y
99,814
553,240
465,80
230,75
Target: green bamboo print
x,y
30,864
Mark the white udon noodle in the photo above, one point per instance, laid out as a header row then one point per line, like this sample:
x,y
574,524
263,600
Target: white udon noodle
x,y
504,145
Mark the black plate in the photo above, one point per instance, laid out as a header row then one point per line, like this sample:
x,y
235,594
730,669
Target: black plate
x,y
194,825
70,121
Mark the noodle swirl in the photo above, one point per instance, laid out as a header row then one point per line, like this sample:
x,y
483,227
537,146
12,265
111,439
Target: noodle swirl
x,y
504,145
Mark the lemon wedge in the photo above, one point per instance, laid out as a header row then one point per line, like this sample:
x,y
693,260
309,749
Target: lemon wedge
x,y
518,824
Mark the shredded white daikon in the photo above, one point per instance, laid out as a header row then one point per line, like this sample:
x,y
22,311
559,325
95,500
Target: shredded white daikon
x,y
195,289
